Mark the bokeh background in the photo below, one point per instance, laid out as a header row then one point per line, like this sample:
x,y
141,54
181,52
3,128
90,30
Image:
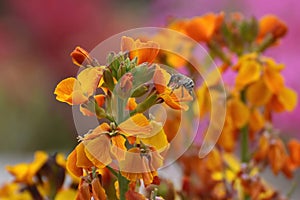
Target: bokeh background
x,y
36,38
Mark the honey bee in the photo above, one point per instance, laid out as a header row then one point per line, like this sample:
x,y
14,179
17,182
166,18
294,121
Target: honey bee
x,y
180,80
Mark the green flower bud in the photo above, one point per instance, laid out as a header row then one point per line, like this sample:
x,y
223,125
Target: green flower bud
x,y
140,91
108,79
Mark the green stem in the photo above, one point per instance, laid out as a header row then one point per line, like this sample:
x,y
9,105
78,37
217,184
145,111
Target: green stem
x,y
123,186
120,110
244,144
112,171
244,135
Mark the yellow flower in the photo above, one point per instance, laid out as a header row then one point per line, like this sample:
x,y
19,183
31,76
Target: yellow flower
x,y
143,51
25,173
13,191
66,194
265,85
172,98
77,91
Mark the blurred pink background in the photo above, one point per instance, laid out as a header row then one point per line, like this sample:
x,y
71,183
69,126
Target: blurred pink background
x,y
36,38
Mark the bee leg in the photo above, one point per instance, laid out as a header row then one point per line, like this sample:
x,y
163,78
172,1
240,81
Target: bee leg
x,y
182,92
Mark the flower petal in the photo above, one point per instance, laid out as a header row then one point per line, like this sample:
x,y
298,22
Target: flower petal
x,y
160,79
202,28
274,80
239,112
79,55
248,73
157,138
118,147
71,164
144,51
98,151
288,98
258,93
89,80
66,92
135,125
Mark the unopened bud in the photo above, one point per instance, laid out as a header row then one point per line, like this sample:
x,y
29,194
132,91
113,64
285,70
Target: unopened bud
x,y
145,105
79,55
108,79
140,91
125,85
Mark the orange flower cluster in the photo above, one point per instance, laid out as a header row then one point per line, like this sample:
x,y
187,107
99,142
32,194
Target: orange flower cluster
x,y
259,91
134,141
124,152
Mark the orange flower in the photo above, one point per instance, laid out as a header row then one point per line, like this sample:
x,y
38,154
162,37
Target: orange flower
x,y
265,83
90,188
77,161
200,28
172,98
277,155
285,100
143,51
237,116
105,143
294,149
273,150
270,24
141,164
79,55
77,91
263,148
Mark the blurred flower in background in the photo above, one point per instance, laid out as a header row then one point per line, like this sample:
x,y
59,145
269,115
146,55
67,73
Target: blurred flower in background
x,y
286,53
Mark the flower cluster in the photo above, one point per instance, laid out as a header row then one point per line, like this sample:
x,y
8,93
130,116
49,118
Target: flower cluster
x,y
237,45
124,152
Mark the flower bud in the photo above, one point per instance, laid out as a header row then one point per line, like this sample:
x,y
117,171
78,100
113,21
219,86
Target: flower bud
x,y
79,55
125,85
140,91
145,105
270,24
108,79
